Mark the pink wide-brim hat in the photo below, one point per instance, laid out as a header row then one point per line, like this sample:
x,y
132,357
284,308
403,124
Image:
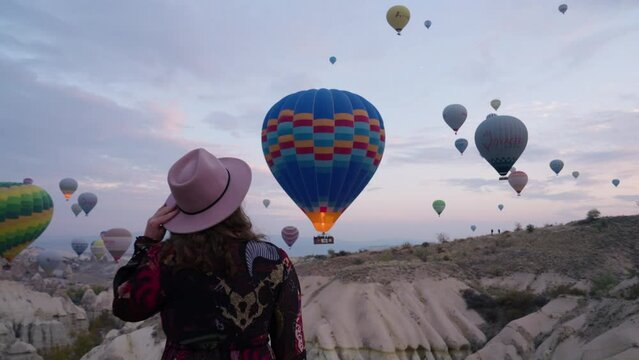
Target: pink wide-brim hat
x,y
206,190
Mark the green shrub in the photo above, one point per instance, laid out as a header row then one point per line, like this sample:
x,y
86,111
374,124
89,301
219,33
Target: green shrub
x,y
518,227
631,293
442,237
331,253
504,307
84,342
358,261
386,256
407,245
425,244
75,294
603,283
530,228
446,258
97,289
421,253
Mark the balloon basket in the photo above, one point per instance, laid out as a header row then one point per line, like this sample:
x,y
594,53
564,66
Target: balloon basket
x,y
503,178
323,239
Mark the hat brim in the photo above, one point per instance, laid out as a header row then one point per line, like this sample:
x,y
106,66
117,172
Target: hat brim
x,y
240,182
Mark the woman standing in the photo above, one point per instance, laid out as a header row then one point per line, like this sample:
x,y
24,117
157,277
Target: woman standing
x,y
223,292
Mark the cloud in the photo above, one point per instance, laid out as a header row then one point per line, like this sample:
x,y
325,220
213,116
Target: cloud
x,y
244,124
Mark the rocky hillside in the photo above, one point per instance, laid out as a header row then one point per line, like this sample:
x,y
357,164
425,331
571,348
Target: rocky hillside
x,y
558,292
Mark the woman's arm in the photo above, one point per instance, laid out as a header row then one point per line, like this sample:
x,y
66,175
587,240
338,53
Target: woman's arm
x,y
136,286
137,291
286,330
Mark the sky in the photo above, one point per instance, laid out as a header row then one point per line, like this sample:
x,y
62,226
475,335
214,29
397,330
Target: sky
x,y
112,93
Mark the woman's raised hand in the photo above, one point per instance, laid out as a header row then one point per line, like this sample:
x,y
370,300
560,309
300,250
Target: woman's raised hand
x,y
155,226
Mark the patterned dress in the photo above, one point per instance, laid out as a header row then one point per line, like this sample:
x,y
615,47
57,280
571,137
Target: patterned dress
x,y
254,314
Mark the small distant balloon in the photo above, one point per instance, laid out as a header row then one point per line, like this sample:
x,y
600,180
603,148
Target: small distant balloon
x,y
455,115
97,249
332,59
68,186
79,246
439,206
461,145
556,166
427,23
49,260
473,227
563,8
500,207
290,235
266,202
518,181
616,182
495,103
513,169
27,181
575,174
76,209
87,202
397,17
116,241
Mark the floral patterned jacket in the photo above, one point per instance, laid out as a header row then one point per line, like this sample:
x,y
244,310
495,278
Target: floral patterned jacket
x,y
213,316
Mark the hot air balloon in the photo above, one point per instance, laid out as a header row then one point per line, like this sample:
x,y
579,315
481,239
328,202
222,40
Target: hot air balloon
x,y
25,212
501,139
461,145
266,202
518,180
427,23
439,206
76,209
87,201
473,227
495,103
117,241
397,17
332,59
79,245
563,8
97,249
615,182
513,169
500,207
323,146
455,115
27,181
68,186
556,166
575,174
49,260
290,235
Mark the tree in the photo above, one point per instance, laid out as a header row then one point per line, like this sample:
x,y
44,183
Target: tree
x,y
443,237
593,215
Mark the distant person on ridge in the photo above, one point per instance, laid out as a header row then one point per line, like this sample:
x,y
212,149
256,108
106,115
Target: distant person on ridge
x,y
491,231
222,291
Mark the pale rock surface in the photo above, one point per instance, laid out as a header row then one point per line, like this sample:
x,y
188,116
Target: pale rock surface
x,y
622,288
20,350
38,318
516,340
426,319
141,344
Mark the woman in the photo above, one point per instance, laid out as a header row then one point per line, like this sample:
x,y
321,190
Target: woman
x,y
222,292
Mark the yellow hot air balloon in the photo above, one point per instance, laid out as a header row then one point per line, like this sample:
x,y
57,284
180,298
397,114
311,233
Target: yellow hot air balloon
x,y
398,17
25,212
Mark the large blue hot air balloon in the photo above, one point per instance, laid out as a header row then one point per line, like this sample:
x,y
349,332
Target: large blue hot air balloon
x,y
501,139
323,146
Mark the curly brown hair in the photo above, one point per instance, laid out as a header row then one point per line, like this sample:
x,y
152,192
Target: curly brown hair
x,y
207,250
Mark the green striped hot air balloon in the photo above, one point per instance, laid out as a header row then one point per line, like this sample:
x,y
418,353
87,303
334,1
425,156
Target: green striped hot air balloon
x,y
25,212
